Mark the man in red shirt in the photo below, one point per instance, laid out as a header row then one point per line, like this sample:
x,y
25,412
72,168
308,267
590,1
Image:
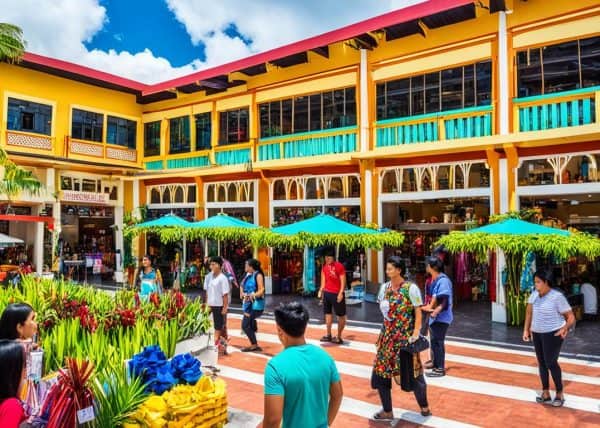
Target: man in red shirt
x,y
333,285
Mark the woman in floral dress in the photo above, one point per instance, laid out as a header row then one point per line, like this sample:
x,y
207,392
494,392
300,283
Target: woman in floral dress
x,y
399,302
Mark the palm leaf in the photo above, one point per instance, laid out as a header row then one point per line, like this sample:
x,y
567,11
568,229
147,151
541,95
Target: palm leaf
x,y
12,43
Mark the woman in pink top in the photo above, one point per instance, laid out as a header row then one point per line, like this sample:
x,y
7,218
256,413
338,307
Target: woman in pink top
x,y
12,361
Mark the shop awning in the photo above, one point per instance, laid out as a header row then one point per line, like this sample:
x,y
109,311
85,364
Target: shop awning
x,y
29,219
328,230
7,241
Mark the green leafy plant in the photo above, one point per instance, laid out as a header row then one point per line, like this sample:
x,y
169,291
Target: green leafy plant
x,y
117,396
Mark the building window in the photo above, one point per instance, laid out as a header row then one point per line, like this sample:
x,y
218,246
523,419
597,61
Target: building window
x,y
28,116
559,67
312,112
121,132
179,135
203,128
152,138
87,125
233,126
448,89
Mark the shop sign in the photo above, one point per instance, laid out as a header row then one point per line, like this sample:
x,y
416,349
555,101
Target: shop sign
x,y
90,197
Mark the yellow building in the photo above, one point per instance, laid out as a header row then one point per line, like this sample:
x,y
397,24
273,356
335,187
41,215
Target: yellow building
x,y
419,119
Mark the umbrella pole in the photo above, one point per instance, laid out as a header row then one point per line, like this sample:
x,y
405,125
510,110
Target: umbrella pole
x,y
205,247
184,254
337,252
218,248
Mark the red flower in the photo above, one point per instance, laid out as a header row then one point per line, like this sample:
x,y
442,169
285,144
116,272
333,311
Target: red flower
x,y
179,300
155,299
136,297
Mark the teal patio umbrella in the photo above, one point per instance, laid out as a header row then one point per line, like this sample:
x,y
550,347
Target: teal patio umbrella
x,y
328,230
516,238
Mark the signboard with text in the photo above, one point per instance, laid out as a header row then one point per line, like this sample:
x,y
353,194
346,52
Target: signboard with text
x,y
86,197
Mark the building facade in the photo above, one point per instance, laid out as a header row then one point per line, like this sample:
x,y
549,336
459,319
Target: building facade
x,y
422,120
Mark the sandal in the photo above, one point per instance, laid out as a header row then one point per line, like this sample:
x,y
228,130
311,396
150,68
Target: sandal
x,y
251,349
558,402
426,412
436,373
326,338
338,340
383,416
543,400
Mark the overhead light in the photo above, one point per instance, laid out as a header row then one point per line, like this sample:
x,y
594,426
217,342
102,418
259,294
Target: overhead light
x,y
574,202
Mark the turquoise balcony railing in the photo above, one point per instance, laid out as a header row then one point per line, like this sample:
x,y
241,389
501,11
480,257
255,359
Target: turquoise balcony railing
x,y
447,125
556,110
191,162
233,156
154,165
314,143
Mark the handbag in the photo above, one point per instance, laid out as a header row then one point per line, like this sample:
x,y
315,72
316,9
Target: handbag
x,y
417,346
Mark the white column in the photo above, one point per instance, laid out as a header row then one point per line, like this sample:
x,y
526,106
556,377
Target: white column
x,y
504,198
503,61
38,243
364,102
136,194
380,264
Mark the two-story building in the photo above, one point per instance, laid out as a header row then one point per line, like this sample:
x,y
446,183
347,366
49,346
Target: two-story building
x,y
423,120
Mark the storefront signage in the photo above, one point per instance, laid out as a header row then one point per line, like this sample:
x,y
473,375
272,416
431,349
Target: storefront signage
x,y
90,197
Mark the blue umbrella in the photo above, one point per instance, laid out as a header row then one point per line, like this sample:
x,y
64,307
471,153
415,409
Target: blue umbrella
x,y
513,226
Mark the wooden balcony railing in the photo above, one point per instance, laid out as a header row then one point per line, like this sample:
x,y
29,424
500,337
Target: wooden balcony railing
x,y
449,125
314,143
29,140
557,110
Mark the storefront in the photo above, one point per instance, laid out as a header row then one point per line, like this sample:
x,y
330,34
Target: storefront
x,y
237,199
564,191
91,216
298,198
428,201
172,198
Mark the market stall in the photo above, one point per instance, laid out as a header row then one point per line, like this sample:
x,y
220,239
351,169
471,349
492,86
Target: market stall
x,y
111,360
325,230
513,239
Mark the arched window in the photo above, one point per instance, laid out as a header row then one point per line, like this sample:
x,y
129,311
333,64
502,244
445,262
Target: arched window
x,y
479,176
232,192
154,196
389,183
426,184
336,188
191,194
179,195
210,193
443,177
166,197
459,178
353,187
311,188
221,193
293,190
278,190
409,181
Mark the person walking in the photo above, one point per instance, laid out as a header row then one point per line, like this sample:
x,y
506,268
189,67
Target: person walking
x,y
548,319
148,279
440,316
400,302
332,291
302,384
216,285
12,361
253,298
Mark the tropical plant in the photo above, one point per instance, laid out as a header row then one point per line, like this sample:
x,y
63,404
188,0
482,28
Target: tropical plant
x,y
117,396
12,43
16,179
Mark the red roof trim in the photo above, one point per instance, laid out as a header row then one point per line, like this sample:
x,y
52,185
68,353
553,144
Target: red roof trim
x,y
84,71
399,16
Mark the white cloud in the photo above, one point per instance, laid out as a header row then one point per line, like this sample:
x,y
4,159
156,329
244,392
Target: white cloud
x,y
60,28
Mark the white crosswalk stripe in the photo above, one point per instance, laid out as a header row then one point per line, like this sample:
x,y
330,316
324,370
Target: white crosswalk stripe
x,y
452,382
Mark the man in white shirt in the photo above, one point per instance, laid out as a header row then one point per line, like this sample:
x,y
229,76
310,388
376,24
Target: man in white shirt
x,y
216,285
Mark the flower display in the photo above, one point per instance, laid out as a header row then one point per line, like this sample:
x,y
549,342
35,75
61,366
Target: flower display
x,y
186,368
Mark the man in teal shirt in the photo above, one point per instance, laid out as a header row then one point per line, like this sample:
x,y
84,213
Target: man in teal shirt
x,y
302,384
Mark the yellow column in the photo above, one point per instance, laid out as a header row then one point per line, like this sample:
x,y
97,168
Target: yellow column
x,y
512,157
493,159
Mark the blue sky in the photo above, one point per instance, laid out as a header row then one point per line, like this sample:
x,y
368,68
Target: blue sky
x,y
155,40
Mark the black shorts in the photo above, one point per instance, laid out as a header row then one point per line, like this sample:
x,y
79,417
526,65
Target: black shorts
x,y
330,303
219,320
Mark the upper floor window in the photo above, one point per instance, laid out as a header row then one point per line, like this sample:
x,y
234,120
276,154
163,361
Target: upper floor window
x,y
152,138
448,89
179,135
203,131
314,112
233,126
560,67
121,132
87,125
28,116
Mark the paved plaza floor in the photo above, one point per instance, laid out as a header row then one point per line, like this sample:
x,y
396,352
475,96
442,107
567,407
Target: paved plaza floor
x,y
485,385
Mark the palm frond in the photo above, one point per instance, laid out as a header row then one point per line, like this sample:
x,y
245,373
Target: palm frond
x,y
12,43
